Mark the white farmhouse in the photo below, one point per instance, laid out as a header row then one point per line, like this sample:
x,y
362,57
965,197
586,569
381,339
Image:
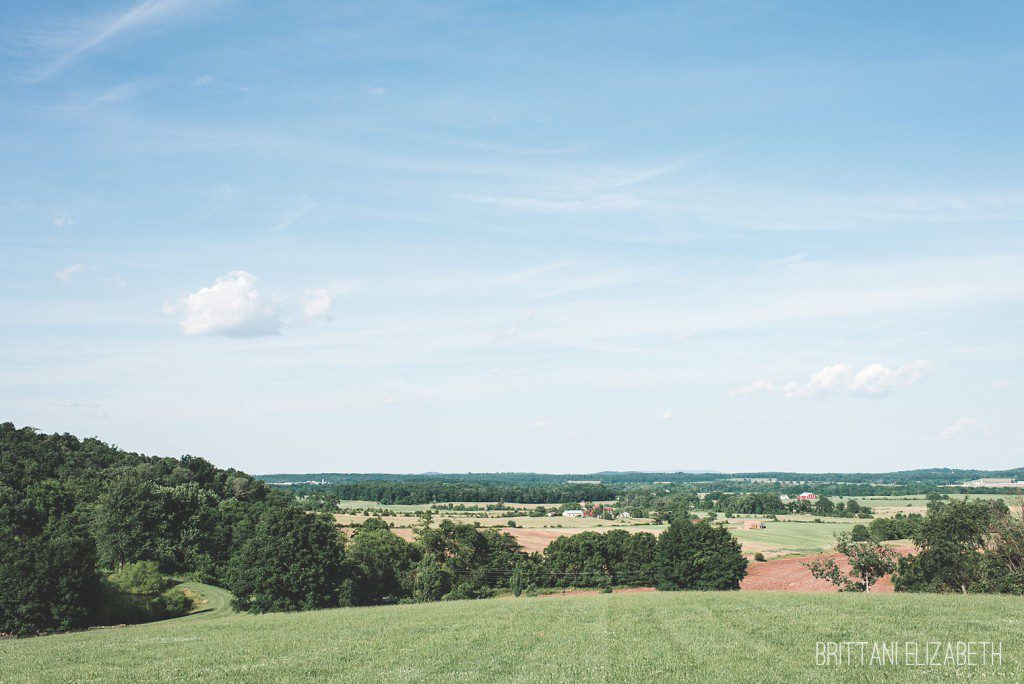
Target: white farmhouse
x,y
572,514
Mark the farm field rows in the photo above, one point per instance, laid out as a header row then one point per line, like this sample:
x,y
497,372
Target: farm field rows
x,y
628,637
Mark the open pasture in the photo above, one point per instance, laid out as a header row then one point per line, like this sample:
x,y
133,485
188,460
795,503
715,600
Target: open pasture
x,y
628,637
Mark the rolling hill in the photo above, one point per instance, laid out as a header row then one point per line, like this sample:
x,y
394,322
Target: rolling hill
x,y
592,638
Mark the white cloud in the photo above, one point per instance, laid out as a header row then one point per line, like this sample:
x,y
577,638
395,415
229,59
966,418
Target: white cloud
x,y
1002,383
754,387
966,427
667,415
874,380
205,79
544,424
66,274
125,91
317,305
233,306
377,91
63,220
97,33
829,380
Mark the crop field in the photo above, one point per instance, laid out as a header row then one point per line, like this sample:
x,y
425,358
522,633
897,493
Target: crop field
x,y
791,535
887,506
628,637
781,537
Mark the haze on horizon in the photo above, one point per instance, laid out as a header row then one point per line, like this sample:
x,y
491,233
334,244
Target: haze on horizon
x,y
572,237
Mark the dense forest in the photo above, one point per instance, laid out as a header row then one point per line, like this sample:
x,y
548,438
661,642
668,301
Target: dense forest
x,y
430,491
540,488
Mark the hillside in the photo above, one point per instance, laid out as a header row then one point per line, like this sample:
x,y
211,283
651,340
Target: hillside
x,y
618,637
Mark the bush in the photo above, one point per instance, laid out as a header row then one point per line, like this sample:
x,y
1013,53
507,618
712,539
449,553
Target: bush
x,y
759,557
137,593
860,533
141,578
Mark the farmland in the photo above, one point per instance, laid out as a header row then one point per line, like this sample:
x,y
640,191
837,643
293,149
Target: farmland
x,y
794,534
687,636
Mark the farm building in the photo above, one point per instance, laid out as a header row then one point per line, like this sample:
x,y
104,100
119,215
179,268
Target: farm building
x,y
572,514
624,515
992,482
807,496
753,525
784,498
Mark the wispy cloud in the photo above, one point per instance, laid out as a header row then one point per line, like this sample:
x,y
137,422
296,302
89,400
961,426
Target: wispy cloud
x,y
205,79
587,205
290,216
316,305
511,149
63,220
82,36
963,427
65,275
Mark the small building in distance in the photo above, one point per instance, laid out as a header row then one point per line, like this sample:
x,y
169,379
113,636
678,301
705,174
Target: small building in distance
x,y
992,482
572,514
784,498
807,496
753,525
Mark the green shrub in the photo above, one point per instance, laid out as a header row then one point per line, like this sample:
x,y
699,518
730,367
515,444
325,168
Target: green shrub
x,y
142,578
759,557
137,593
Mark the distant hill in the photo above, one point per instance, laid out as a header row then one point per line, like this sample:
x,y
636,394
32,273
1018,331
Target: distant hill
x,y
927,476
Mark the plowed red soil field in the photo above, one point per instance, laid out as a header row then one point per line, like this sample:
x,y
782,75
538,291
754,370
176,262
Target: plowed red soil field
x,y
790,574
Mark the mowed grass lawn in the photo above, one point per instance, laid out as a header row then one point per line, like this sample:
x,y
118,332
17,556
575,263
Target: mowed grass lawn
x,y
662,637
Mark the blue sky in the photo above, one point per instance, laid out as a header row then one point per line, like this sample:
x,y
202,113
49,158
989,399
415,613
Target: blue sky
x,y
517,236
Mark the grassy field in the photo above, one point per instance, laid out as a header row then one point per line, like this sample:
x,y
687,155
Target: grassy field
x,y
780,538
597,638
885,506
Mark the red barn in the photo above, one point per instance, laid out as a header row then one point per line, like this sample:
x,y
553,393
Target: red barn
x,y
807,496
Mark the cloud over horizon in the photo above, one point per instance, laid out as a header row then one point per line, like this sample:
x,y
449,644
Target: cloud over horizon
x,y
873,381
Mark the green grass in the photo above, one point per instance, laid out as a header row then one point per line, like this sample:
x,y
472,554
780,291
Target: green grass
x,y
214,602
737,636
793,537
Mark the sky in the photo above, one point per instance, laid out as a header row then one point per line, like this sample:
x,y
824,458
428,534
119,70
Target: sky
x,y
482,236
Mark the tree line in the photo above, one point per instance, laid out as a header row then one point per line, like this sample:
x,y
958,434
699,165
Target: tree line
x,y
389,493
969,547
89,534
